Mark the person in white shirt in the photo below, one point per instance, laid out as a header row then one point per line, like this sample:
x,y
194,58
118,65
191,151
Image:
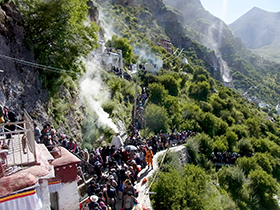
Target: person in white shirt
x,y
117,141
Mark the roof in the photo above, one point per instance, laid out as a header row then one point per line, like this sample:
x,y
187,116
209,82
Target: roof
x,y
65,159
43,151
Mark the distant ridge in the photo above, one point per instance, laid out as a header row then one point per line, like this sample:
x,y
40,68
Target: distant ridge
x,y
260,31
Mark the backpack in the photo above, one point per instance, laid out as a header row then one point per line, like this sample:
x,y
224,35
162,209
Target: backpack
x,y
111,192
129,202
12,116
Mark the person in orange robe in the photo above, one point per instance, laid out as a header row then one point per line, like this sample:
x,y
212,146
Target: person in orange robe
x,y
149,157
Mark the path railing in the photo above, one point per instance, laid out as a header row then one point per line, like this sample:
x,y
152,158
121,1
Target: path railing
x,y
18,139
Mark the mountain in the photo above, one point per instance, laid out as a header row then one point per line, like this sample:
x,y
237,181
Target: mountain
x,y
201,25
259,30
240,68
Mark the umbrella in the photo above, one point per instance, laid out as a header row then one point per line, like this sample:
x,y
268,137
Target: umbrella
x,y
130,148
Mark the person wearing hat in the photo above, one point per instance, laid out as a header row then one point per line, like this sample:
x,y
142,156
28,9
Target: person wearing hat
x,y
93,205
114,172
149,157
128,176
129,188
128,201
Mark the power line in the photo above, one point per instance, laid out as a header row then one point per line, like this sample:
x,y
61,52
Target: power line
x,y
175,57
36,65
171,55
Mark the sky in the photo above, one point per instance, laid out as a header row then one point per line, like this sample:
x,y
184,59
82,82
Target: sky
x,y
231,10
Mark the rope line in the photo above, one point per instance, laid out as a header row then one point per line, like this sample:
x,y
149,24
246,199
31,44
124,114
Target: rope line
x,y
36,65
171,55
148,189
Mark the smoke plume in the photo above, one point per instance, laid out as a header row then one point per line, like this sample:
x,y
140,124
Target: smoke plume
x,y
94,92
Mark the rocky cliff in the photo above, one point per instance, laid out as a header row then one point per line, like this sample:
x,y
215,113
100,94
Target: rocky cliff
x,y
20,84
21,87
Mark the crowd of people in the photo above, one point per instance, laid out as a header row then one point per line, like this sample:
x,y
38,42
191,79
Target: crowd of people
x,y
227,158
48,137
114,169
120,73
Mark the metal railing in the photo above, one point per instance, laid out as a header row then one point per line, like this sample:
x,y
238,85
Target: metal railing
x,y
19,139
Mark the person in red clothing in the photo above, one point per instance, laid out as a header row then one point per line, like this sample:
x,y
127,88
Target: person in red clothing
x,y
72,145
125,155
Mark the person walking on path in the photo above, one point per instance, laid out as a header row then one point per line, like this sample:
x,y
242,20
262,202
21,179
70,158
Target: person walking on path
x,y
129,201
149,157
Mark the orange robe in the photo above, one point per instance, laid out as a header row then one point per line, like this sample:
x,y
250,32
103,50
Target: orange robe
x,y
149,157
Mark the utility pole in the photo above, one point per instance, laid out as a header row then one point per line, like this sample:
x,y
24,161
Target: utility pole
x,y
135,100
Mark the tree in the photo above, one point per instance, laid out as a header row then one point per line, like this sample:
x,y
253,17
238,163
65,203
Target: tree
x,y
57,32
171,104
247,164
157,93
157,118
200,75
123,44
195,183
232,179
253,126
206,143
266,161
168,196
170,84
264,187
231,139
213,125
200,91
245,147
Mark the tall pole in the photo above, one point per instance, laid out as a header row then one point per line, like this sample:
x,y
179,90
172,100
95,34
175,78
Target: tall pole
x,y
135,101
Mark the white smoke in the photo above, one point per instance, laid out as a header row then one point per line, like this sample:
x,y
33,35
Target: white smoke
x,y
107,24
145,54
94,92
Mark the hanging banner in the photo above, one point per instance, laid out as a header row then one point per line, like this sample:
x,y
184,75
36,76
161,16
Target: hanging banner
x,y
55,186
25,200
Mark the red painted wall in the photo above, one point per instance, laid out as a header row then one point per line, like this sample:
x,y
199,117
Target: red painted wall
x,y
67,173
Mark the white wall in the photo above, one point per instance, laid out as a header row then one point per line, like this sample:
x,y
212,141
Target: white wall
x,y
44,194
68,197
